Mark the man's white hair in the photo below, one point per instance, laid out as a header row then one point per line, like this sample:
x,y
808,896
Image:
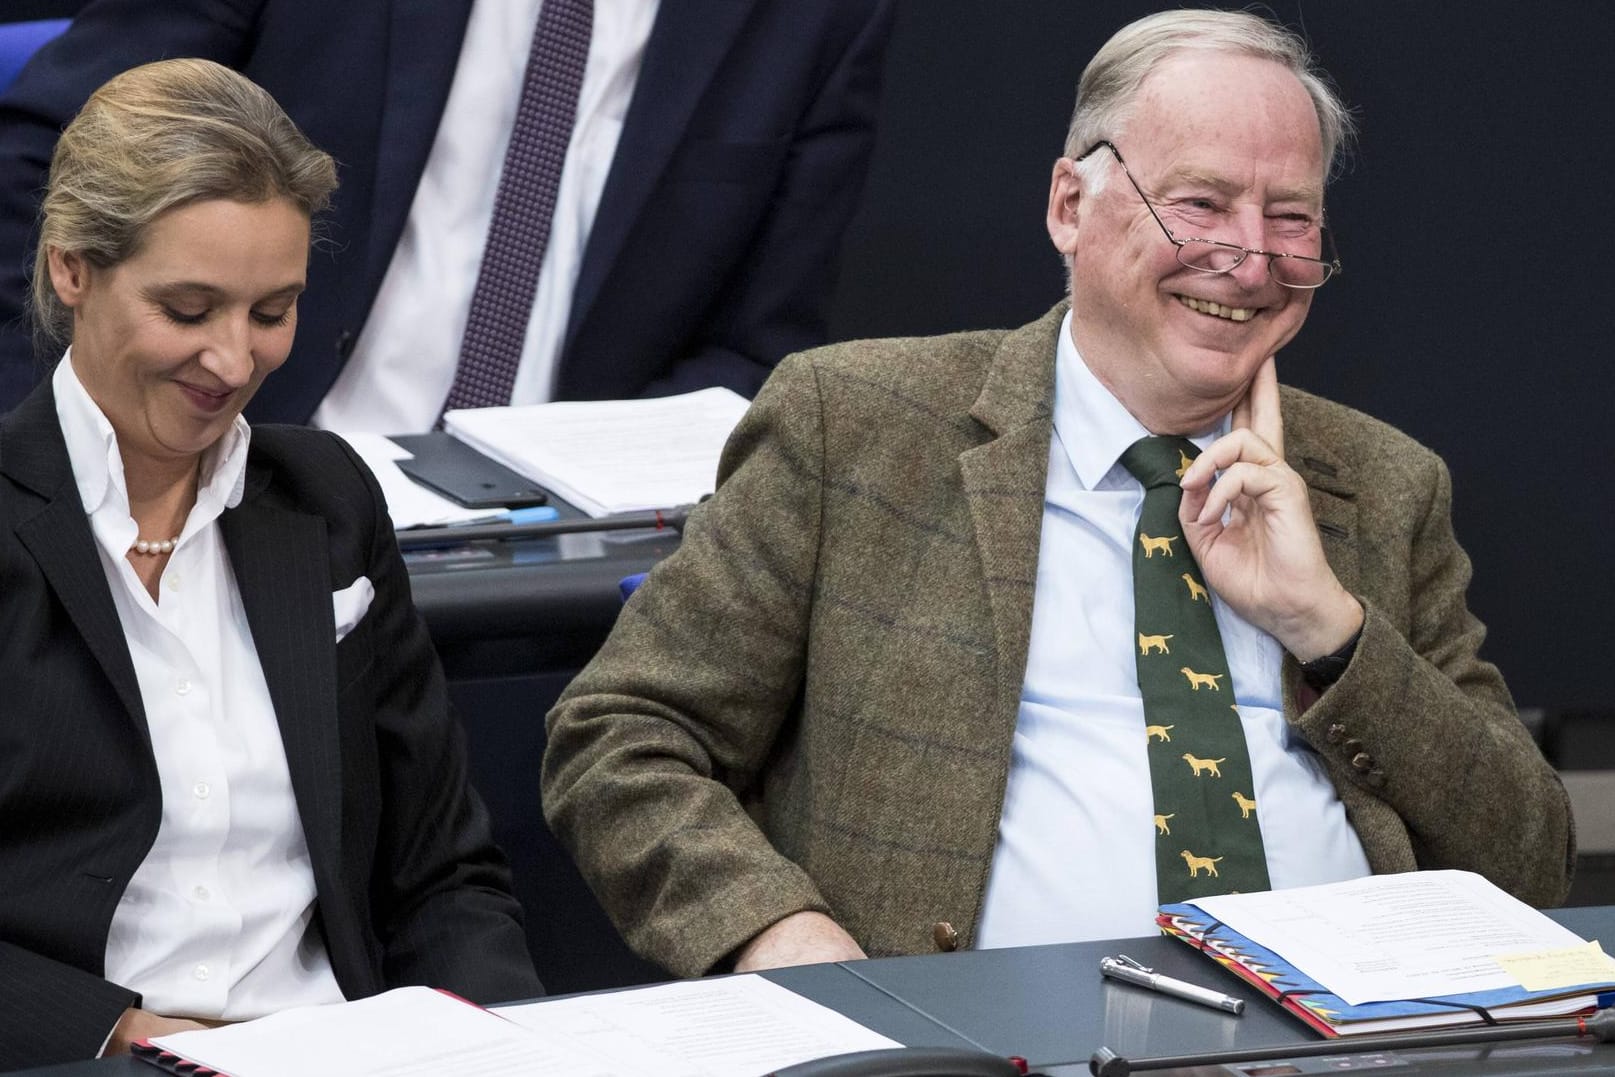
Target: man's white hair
x,y
1110,83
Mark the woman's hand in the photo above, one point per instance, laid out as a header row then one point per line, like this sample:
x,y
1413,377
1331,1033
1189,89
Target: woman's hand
x,y
136,1025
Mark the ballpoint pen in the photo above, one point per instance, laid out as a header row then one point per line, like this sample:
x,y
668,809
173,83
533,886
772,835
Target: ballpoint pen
x,y
1127,970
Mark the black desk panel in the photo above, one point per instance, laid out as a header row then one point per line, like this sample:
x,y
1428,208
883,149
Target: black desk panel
x,y
1050,1005
841,988
543,605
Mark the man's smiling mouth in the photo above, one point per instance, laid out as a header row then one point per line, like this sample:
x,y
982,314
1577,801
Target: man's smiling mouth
x,y
1206,306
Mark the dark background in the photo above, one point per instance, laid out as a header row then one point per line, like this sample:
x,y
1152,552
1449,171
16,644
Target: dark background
x,y
1473,222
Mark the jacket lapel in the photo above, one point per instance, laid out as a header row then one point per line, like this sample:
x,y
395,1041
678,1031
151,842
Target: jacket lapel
x,y
281,562
33,454
686,46
1332,491
1004,486
423,48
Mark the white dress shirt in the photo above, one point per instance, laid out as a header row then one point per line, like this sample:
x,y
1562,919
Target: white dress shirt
x,y
216,921
402,365
1076,843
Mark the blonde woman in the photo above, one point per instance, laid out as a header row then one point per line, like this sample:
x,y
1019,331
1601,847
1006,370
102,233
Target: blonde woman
x,y
229,781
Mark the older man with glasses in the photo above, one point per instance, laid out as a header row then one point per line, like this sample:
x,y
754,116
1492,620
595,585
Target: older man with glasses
x,y
1007,637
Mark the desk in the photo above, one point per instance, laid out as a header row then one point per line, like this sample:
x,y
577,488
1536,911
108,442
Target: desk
x,y
1048,1004
502,609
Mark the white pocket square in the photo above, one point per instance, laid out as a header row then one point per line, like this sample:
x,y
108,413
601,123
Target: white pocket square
x,y
350,603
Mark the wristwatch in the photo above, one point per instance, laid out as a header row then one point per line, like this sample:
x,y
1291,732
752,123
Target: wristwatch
x,y
1320,673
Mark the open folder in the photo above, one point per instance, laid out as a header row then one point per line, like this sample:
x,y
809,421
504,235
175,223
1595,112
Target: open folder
x,y
610,456
1392,953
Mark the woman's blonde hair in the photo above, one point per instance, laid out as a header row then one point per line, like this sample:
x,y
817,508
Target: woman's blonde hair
x,y
157,137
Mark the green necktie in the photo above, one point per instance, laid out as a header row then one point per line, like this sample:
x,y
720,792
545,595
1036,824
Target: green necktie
x,y
1207,838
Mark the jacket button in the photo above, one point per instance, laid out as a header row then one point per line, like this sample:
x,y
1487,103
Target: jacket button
x,y
1354,746
1336,732
1375,779
1363,762
344,344
945,937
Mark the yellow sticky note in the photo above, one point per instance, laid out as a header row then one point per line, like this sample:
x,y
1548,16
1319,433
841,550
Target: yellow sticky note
x,y
1545,970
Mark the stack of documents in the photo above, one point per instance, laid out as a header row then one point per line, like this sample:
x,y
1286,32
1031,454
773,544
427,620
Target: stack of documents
x,y
1390,953
610,456
734,1026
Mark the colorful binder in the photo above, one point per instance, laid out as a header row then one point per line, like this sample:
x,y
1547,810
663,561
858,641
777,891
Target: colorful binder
x,y
1332,1016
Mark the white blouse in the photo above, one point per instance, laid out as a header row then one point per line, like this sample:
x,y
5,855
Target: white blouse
x,y
216,922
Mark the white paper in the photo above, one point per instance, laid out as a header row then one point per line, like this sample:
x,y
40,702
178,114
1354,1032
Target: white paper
x,y
408,502
610,456
1419,934
736,1026
409,1032
731,1026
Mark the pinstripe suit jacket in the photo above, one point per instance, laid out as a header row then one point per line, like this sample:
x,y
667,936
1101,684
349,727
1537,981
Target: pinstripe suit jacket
x,y
810,705
410,887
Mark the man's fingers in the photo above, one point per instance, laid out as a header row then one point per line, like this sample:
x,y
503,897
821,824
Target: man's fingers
x,y
1240,419
1236,446
1258,410
1194,499
1237,480
1265,420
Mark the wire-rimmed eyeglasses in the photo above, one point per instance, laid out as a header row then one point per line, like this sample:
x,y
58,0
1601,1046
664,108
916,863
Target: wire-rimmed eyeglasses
x,y
1215,256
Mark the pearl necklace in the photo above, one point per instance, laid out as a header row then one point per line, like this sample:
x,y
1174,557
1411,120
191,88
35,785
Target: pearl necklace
x,y
154,547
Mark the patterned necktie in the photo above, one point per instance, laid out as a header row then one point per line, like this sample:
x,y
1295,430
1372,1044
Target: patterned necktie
x,y
1207,837
520,229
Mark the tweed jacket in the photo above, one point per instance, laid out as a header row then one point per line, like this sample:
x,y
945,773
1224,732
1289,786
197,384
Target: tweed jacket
x,y
410,886
811,704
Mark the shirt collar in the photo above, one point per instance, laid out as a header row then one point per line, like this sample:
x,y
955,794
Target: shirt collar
x,y
92,447
92,451
1093,426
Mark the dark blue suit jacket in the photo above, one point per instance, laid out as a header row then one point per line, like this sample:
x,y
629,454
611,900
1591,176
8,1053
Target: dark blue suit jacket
x,y
713,252
410,887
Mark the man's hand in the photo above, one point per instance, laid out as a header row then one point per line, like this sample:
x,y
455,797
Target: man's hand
x,y
802,938
1266,561
136,1025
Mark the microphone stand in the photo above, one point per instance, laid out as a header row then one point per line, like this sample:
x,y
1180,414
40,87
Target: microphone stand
x,y
1600,1026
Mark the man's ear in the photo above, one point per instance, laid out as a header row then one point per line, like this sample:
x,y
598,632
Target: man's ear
x,y
1065,191
69,275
